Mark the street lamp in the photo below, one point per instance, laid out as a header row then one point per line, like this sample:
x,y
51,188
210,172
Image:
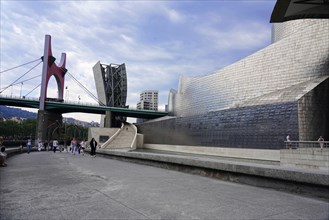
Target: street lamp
x,y
21,90
67,93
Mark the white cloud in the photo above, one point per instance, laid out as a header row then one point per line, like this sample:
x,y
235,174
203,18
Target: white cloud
x,y
17,30
175,16
127,32
238,37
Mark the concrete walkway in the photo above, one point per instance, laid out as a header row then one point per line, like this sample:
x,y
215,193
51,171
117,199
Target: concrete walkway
x,y
46,185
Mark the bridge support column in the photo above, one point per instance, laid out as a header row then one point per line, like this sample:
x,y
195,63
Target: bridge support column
x,y
49,126
108,119
112,120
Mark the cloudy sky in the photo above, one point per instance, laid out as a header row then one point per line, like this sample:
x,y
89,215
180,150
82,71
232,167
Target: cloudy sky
x,y
157,40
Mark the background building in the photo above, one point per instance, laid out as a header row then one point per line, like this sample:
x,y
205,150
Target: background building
x,y
148,101
111,85
256,101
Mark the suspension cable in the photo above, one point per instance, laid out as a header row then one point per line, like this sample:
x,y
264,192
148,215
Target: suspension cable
x,y
86,90
32,90
26,80
20,77
19,65
15,82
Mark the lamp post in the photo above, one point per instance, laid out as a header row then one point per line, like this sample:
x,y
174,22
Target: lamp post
x,y
67,93
21,90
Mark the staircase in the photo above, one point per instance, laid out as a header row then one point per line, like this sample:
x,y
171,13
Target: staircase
x,y
123,140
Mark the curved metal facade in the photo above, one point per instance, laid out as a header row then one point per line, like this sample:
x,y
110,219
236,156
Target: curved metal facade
x,y
256,101
297,58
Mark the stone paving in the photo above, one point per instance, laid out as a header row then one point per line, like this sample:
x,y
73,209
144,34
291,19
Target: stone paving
x,y
47,185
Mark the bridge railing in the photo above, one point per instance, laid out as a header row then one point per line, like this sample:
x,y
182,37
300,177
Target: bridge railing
x,y
69,102
306,144
18,97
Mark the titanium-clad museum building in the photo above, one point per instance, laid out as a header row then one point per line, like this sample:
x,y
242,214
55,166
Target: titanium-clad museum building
x,y
257,101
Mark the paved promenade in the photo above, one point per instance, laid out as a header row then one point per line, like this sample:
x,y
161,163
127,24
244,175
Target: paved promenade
x,y
44,185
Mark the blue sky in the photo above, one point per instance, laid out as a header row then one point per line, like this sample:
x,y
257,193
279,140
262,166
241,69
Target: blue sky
x,y
157,40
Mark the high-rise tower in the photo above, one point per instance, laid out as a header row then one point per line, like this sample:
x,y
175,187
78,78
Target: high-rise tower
x,y
111,85
148,101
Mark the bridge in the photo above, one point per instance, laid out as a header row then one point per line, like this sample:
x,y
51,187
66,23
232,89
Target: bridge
x,y
50,110
68,107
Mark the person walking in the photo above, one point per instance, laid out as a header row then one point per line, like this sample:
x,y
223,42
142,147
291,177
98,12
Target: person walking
x,y
321,140
29,145
23,144
93,145
55,144
83,146
288,141
3,156
74,145
79,148
67,144
40,145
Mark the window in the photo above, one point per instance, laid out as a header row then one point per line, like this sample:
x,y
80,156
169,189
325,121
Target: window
x,y
103,139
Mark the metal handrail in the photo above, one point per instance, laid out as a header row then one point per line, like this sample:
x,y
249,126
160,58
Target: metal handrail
x,y
133,143
73,102
106,143
306,144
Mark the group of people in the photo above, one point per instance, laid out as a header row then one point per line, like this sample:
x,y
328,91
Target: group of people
x,y
289,143
71,146
76,147
79,148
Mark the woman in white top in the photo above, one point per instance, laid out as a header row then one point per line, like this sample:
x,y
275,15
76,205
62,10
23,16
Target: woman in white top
x,y
55,144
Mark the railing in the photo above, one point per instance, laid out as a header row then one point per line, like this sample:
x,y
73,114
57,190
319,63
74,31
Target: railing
x,y
306,144
18,97
133,145
71,102
106,143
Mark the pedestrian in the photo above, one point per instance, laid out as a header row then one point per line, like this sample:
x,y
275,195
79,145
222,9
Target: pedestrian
x,y
93,145
288,141
321,140
45,146
74,145
55,144
3,156
29,145
23,144
60,146
40,146
83,146
68,143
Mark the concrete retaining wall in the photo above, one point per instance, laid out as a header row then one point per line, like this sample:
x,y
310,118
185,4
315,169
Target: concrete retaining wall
x,y
301,181
253,154
96,132
309,158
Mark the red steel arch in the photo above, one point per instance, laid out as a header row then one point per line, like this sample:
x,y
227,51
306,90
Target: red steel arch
x,y
51,69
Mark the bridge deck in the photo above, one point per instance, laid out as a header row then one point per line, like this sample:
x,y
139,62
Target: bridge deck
x,y
46,185
68,107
